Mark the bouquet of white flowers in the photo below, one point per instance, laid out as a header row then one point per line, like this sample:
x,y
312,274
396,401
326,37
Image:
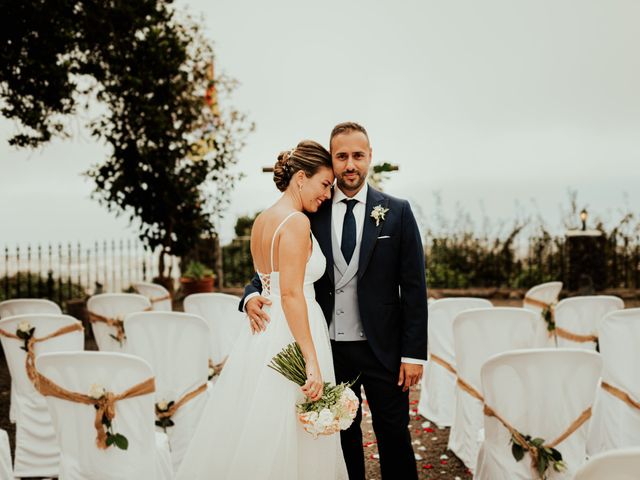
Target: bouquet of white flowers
x,y
336,409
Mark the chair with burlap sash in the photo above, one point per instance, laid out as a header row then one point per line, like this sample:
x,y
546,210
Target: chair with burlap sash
x,y
225,322
437,395
616,422
159,296
578,319
540,393
23,306
542,299
69,381
478,334
621,464
36,451
176,345
107,312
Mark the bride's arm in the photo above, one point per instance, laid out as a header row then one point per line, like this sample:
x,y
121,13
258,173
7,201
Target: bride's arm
x,y
293,252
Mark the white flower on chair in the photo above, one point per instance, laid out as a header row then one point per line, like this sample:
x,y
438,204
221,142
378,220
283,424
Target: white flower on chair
x,y
378,213
96,391
24,326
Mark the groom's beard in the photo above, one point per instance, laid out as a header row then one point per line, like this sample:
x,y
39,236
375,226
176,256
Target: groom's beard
x,y
352,184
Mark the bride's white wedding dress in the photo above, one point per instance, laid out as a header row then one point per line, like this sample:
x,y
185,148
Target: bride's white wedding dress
x,y
249,429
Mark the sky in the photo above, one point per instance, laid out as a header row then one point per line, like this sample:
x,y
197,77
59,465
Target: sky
x,y
493,108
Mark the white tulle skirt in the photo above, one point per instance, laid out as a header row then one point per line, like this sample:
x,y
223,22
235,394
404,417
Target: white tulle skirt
x,y
249,429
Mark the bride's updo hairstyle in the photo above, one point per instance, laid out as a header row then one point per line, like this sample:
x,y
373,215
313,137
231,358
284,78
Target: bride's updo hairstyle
x,y
308,156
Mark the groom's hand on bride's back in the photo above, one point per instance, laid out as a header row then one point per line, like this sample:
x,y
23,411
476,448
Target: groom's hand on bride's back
x,y
258,318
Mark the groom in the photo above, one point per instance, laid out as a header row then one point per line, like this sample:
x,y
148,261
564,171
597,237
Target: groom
x,y
373,295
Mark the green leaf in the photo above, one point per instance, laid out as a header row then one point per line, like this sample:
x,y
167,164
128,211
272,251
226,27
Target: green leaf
x,y
517,451
538,442
121,441
556,455
110,439
542,464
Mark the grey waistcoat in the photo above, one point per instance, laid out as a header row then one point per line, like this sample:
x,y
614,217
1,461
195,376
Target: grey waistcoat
x,y
345,324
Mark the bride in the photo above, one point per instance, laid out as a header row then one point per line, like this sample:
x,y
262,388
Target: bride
x,y
249,428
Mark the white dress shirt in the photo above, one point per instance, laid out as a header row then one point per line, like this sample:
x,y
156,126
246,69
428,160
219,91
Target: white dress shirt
x,y
339,208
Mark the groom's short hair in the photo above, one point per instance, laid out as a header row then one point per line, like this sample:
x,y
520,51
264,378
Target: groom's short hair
x,y
347,127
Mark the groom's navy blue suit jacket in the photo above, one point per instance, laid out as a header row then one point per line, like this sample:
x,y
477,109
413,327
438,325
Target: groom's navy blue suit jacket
x,y
392,292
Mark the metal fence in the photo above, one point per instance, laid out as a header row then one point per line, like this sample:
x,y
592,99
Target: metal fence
x,y
71,270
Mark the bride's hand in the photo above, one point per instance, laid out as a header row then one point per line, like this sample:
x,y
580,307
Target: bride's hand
x,y
313,388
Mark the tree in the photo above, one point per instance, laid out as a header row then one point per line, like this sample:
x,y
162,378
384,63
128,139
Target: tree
x,y
149,68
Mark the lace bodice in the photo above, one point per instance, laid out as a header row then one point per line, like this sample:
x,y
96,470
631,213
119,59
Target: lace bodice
x,y
314,270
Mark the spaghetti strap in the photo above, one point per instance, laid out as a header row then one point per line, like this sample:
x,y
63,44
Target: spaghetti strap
x,y
277,230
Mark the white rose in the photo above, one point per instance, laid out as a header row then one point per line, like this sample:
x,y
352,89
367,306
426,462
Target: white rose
x,y
345,422
24,326
96,391
163,405
325,418
212,372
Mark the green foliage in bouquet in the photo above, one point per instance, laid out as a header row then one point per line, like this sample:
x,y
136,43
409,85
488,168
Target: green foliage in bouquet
x,y
291,364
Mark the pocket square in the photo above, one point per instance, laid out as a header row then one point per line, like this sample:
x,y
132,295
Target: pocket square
x,y
384,236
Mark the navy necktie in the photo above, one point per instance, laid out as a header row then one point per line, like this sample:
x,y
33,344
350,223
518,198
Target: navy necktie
x,y
348,243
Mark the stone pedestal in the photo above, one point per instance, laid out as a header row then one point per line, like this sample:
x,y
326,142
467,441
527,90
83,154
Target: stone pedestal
x,y
584,251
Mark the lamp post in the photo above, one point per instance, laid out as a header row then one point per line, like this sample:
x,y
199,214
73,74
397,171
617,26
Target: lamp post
x,y
583,217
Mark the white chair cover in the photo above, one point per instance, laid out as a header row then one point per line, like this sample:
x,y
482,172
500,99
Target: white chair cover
x,y
547,293
6,472
539,393
582,316
80,458
623,464
478,334
21,306
36,448
220,311
437,395
616,424
114,305
159,296
176,345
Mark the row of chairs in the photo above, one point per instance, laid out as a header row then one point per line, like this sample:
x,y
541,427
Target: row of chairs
x,y
57,437
465,332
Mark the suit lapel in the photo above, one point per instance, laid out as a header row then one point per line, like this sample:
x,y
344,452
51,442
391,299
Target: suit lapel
x,y
321,227
370,231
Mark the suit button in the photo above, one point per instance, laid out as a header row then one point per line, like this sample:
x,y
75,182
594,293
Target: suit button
x,y
361,334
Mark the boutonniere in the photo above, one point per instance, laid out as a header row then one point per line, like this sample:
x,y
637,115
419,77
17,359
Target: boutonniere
x,y
378,213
